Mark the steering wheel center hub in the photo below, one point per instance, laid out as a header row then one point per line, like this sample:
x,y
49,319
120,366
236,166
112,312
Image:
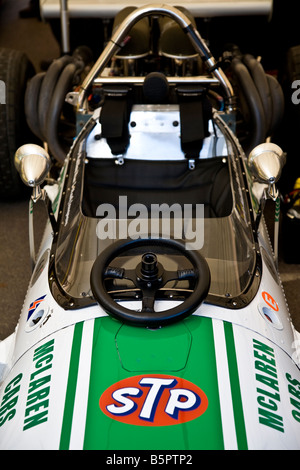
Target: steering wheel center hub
x,y
149,271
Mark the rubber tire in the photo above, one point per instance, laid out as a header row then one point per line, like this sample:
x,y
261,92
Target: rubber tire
x,y
15,71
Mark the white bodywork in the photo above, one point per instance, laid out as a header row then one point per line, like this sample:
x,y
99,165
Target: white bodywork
x,y
47,366
268,381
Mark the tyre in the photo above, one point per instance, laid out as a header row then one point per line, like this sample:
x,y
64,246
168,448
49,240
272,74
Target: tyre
x,y
15,71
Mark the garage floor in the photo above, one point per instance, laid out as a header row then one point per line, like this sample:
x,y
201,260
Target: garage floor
x,y
35,38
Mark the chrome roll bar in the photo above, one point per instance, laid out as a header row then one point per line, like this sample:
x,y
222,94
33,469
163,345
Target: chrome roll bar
x,y
132,80
121,33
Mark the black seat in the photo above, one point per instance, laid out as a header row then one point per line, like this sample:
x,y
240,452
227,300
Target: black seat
x,y
149,182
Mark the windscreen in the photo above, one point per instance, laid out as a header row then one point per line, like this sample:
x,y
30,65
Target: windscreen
x,y
207,209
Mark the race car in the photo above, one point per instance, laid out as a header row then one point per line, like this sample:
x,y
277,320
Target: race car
x,y
155,317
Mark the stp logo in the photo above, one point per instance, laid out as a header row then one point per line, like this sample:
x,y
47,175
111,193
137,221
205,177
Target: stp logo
x,y
153,400
270,301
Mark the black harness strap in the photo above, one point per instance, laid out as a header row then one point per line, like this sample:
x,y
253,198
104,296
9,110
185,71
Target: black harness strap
x,y
194,123
114,119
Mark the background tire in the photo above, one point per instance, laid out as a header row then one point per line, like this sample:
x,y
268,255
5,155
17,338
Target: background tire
x,y
15,71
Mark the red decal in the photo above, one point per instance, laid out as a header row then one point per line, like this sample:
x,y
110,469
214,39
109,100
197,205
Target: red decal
x,y
270,301
153,400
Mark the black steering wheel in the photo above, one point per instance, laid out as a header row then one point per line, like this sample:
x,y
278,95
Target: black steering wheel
x,y
149,276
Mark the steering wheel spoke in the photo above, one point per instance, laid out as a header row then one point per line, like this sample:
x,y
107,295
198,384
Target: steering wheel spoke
x,y
114,273
148,301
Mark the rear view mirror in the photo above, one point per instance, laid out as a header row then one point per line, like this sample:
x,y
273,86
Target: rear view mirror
x,y
266,162
33,164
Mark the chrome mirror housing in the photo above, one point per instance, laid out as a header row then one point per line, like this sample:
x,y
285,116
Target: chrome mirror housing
x,y
266,162
33,164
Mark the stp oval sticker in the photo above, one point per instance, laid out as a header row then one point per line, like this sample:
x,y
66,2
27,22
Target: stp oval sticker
x,y
270,301
153,400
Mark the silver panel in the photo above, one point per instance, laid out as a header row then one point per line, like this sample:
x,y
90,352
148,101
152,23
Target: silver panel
x,y
109,9
155,135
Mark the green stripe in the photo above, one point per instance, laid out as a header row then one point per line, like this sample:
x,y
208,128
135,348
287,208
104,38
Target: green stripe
x,y
235,388
184,349
71,388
